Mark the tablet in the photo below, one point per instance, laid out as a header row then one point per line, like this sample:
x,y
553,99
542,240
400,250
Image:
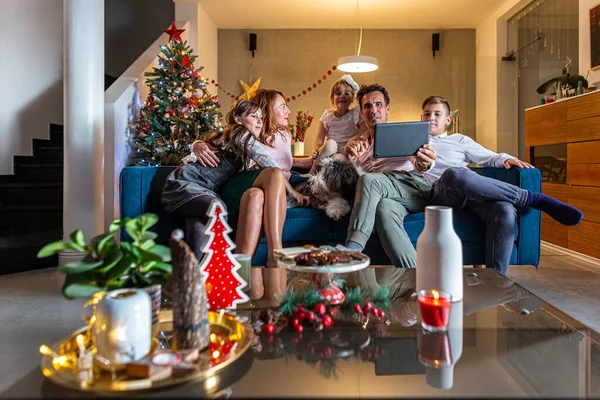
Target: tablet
x,y
399,139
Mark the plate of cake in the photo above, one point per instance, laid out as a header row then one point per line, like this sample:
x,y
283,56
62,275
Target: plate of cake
x,y
324,259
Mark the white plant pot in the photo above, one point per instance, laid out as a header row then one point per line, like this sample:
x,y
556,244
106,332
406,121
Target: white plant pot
x,y
439,254
298,149
123,326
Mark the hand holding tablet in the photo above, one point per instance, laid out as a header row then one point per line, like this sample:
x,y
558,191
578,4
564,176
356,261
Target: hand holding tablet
x,y
399,139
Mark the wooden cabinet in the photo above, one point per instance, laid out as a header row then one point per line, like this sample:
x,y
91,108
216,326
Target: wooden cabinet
x,y
576,123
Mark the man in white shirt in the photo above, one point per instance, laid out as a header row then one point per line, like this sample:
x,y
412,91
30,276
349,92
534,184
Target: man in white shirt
x,y
494,201
455,185
392,186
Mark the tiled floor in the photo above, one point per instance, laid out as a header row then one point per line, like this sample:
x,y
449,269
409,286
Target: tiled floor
x,y
568,283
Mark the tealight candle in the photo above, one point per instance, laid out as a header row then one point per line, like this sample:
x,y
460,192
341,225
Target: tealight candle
x,y
435,309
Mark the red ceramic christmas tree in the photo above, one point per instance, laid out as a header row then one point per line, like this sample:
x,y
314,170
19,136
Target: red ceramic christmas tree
x,y
218,267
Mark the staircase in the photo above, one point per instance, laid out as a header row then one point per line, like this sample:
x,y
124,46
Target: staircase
x,y
31,203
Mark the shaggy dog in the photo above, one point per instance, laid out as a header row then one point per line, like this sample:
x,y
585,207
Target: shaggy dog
x,y
331,188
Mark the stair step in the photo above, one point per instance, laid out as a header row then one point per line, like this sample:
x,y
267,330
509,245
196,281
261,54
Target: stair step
x,y
29,194
45,143
47,155
19,219
39,173
19,252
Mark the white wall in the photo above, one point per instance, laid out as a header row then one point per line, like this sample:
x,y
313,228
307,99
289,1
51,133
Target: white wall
x,y
584,41
490,42
31,74
206,43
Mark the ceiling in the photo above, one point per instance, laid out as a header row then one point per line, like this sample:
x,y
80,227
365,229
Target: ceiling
x,y
342,14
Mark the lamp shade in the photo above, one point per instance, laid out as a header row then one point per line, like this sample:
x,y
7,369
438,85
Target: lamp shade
x,y
357,64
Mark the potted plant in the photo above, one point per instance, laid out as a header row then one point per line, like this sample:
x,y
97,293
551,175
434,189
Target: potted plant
x,y
298,131
109,265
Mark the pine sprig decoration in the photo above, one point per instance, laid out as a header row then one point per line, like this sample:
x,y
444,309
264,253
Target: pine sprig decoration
x,y
354,296
381,298
178,110
289,302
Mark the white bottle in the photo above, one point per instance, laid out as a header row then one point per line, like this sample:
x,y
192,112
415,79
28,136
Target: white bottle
x,y
439,254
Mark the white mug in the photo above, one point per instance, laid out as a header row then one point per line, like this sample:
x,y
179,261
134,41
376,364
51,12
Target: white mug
x,y
123,326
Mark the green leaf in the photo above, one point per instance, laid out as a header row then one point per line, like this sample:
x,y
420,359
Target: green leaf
x,y
99,242
157,266
77,237
51,249
163,251
80,290
149,235
120,269
147,244
146,255
87,264
111,259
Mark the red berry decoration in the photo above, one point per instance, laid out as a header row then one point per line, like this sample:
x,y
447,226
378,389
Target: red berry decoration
x,y
357,309
300,315
320,309
334,67
309,316
295,322
327,321
381,314
268,329
375,311
299,328
368,305
300,309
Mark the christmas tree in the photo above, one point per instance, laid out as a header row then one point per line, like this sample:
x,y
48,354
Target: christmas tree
x,y
218,267
179,109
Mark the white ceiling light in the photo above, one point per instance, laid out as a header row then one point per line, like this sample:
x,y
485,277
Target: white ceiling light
x,y
358,63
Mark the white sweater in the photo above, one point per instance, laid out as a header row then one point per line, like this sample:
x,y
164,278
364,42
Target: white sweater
x,y
458,150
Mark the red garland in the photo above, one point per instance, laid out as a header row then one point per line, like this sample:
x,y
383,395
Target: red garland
x,y
309,88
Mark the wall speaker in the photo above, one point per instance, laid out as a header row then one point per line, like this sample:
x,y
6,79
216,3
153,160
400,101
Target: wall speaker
x,y
252,46
435,42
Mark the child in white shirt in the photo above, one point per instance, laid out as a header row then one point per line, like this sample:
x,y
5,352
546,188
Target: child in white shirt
x,y
339,124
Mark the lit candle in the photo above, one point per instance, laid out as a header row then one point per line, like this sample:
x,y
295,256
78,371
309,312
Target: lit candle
x,y
434,348
435,309
79,340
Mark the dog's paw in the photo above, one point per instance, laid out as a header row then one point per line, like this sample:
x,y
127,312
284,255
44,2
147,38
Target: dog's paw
x,y
336,208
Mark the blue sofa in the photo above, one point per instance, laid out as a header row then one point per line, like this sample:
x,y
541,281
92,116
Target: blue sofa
x,y
140,193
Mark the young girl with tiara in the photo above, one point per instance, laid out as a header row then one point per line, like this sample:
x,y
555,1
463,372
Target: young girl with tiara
x,y
339,124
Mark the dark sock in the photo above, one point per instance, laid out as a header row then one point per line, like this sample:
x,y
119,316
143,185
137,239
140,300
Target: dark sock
x,y
352,245
563,213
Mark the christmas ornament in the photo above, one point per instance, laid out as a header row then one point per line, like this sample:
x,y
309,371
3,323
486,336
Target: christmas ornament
x,y
174,33
249,90
218,266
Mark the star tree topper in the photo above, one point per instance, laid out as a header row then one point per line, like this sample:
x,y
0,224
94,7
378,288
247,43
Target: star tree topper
x,y
218,267
249,90
174,33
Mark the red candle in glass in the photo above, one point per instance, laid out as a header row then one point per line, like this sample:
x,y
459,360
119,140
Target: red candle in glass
x,y
435,309
434,348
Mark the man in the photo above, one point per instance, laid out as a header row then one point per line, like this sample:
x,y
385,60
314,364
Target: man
x,y
494,201
392,187
460,187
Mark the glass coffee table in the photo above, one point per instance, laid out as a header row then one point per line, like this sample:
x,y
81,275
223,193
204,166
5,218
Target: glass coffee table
x,y
502,342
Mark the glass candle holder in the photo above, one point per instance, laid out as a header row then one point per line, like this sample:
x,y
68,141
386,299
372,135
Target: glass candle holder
x,y
435,309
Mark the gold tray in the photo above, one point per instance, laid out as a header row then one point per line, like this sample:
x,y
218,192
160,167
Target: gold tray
x,y
221,323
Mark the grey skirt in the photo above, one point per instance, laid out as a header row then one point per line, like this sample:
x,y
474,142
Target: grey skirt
x,y
192,180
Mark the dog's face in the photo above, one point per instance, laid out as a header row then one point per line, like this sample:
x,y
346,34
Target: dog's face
x,y
334,178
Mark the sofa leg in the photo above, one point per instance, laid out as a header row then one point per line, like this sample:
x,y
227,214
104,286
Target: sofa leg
x,y
479,266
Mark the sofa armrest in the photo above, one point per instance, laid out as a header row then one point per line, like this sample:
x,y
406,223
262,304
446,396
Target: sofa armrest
x,y
528,220
135,184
